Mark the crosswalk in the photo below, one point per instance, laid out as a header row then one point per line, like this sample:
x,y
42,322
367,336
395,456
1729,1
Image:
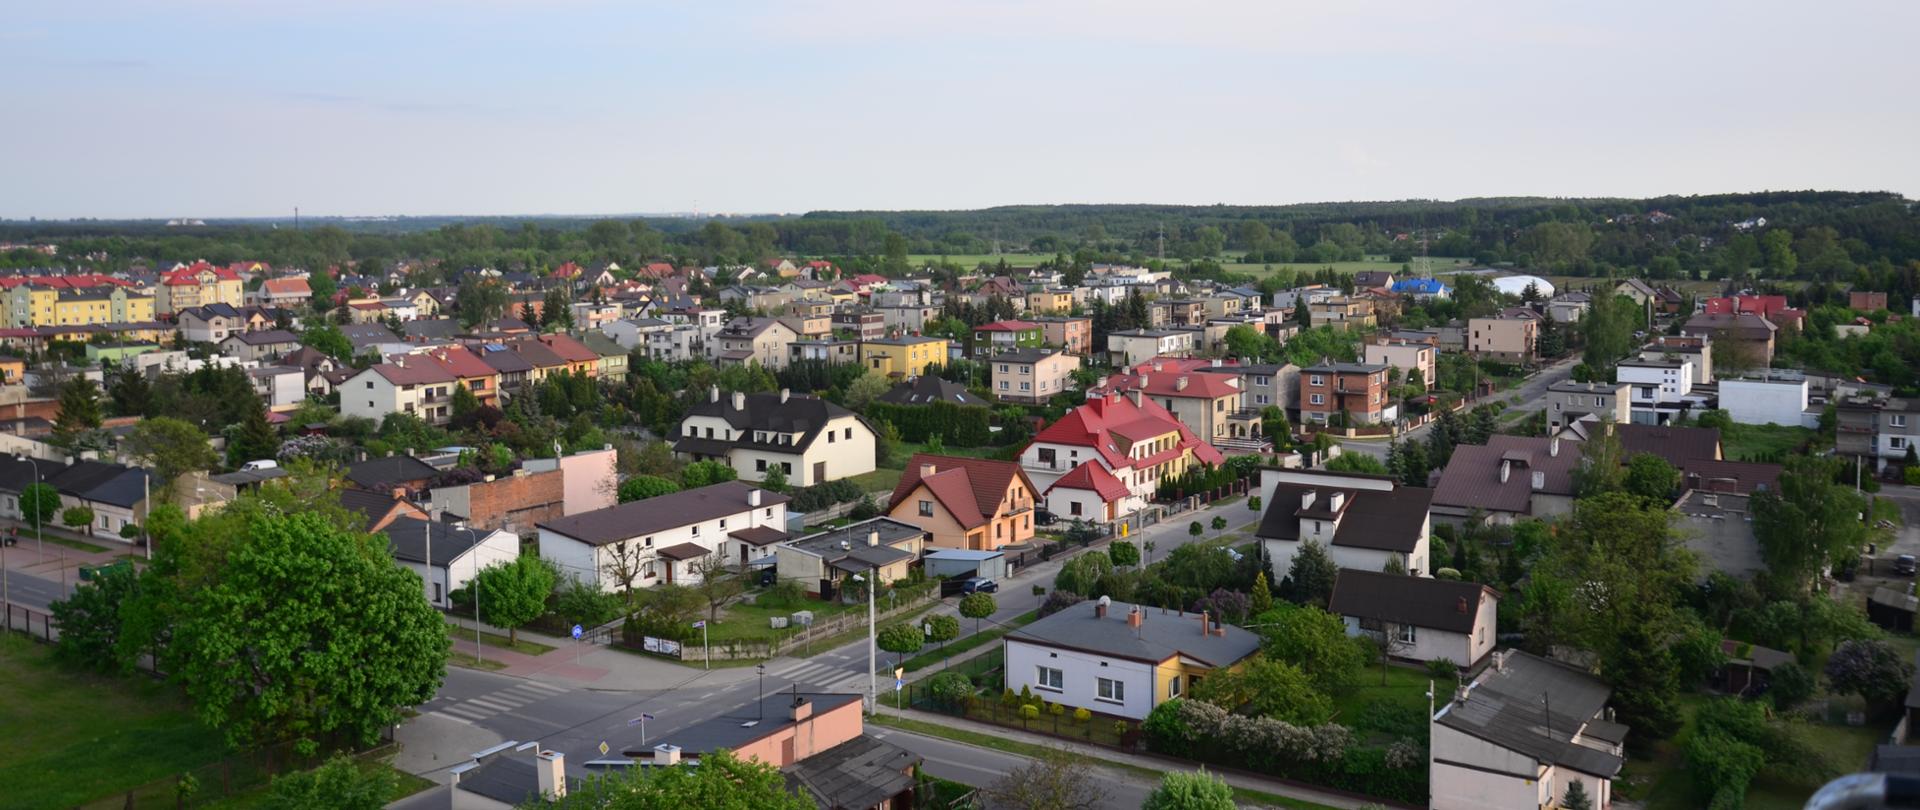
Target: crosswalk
x,y
500,701
816,673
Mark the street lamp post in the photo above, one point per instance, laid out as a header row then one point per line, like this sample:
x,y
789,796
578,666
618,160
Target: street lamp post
x,y
40,537
873,663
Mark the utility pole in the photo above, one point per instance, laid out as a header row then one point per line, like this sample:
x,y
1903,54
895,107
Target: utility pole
x,y
1161,229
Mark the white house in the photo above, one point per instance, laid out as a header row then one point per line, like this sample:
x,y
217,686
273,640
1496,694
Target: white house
x,y
1363,521
447,557
212,323
281,387
1424,619
1136,346
1103,460
664,539
415,385
1779,398
634,332
810,439
1517,736
1120,660
259,346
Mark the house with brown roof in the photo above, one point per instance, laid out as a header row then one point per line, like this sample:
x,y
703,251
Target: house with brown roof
x,y
1506,479
1133,441
468,369
414,385
1749,337
667,539
579,359
1418,618
967,503
1363,521
808,439
514,372
292,291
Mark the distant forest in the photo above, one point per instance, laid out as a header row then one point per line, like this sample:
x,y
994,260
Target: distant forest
x,y
1867,239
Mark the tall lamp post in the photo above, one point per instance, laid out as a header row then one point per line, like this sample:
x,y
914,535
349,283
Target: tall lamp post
x,y
39,537
872,579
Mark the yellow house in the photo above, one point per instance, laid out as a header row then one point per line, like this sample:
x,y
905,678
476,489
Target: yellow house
x,y
198,285
100,305
31,305
965,503
903,356
1121,660
12,370
1050,302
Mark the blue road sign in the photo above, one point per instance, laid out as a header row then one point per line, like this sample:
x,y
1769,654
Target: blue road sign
x,y
576,632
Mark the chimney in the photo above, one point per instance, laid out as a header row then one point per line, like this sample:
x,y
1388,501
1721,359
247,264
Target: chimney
x,y
1337,501
1553,447
1308,498
1157,366
1205,626
1180,384
488,479
1102,382
1539,480
713,393
739,400
665,755
1100,607
800,709
927,469
873,538
1135,393
1134,618
784,395
552,766
1506,470
1216,362
753,497
1143,381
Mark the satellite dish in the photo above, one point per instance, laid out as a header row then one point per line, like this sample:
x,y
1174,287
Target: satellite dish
x,y
1105,601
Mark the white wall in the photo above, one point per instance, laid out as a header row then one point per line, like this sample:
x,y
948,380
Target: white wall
x,y
495,548
1079,671
575,559
1765,402
1473,789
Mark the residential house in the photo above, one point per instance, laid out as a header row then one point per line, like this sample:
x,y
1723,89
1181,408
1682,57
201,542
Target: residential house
x,y
416,386
1135,346
399,475
1422,289
430,330
13,370
375,510
258,346
468,369
965,503
1506,479
1264,385
589,478
1104,459
515,502
1507,339
665,539
633,332
1342,312
1569,307
1419,619
1659,388
612,363
1031,376
117,494
1866,301
1005,336
1121,660
576,358
1568,401
861,326
210,324
903,356
1178,312
810,326
1773,397
447,557
1415,359
198,284
512,372
374,338
755,340
823,561
1073,335
836,351
928,389
1363,521
282,388
810,439
908,319
1749,338
1354,392
676,343
1520,733
1697,350
1210,404
1718,528
1373,280
103,304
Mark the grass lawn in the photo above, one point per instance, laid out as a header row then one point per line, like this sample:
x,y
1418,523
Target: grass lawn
x,y
456,658
743,620
75,738
1742,442
880,480
905,450
522,646
1404,686
1665,783
77,545
405,784
936,654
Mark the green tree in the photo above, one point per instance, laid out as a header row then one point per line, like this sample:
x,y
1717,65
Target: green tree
x,y
942,628
479,300
1219,523
642,487
341,784
775,479
556,314
90,621
350,644
1267,688
514,593
1358,463
1056,780
1651,477
464,402
1317,641
1194,530
1807,522
324,289
1196,790
130,393
1311,575
328,340
1260,599
1646,682
1123,553
169,448
705,473
39,504
901,640
255,440
79,518
1602,464
865,389
1080,574
722,781
78,419
1577,798
977,606
1872,669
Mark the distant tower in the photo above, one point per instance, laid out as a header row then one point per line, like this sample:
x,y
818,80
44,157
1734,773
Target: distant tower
x,y
1161,228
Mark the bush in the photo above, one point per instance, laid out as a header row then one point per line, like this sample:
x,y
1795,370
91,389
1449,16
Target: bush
x,y
785,594
1442,669
950,690
1911,476
1790,685
956,425
825,495
585,603
1059,601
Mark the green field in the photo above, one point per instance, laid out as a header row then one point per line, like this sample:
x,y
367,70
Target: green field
x,y
1774,442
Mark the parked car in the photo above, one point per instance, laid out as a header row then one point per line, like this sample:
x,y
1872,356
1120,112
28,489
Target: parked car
x,y
979,585
1905,564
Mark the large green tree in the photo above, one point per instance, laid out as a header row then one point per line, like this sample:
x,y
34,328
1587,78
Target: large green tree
x,y
90,620
514,593
722,781
78,420
305,632
255,440
40,504
1267,688
170,448
328,340
1310,577
1806,523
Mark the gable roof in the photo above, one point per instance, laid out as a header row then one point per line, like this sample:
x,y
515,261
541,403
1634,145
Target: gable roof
x,y
927,389
1160,636
362,335
1091,476
653,515
569,349
1471,478
460,361
503,359
1504,707
767,412
286,286
1678,445
373,507
1384,520
1437,604
421,371
970,489
268,337
386,471
408,538
1107,424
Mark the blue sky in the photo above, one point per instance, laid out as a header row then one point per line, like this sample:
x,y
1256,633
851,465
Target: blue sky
x,y
230,108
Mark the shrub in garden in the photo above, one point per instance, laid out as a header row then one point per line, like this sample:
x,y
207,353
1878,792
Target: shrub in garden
x,y
950,690
1059,601
1081,715
1008,698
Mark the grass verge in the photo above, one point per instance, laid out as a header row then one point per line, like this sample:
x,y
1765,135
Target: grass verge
x,y
77,545
1027,749
973,642
523,646
457,658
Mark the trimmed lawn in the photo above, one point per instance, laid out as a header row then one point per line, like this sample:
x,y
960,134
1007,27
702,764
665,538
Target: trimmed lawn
x,y
456,658
522,646
1742,442
743,621
936,654
880,480
1404,686
74,738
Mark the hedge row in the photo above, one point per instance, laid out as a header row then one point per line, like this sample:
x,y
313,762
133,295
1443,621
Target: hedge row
x,y
956,425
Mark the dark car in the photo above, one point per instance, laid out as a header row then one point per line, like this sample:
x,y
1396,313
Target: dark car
x,y
1904,565
979,585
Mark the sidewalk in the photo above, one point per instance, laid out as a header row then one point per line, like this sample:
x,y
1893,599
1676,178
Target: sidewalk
x,y
1130,760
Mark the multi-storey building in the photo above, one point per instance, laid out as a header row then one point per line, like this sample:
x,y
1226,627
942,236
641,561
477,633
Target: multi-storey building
x,y
1104,459
903,356
1067,333
1415,359
1358,390
196,285
1031,376
1507,339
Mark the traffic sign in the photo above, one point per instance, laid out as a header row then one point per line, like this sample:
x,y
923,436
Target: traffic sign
x,y
576,632
603,748
899,684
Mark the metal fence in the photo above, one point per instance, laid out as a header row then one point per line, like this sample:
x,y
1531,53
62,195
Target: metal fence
x,y
36,624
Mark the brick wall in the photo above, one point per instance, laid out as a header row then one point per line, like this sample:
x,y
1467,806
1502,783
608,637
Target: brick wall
x,y
516,502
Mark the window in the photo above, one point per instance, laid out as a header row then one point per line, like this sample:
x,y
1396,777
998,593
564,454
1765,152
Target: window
x,y
768,512
696,531
1319,400
1897,419
760,465
436,593
1173,687
1050,678
1111,690
649,542
1899,443
1316,380
926,508
1406,633
830,438
723,524
849,433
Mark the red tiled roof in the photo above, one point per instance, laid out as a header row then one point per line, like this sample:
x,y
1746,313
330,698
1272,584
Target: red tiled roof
x,y
286,286
419,371
1007,326
190,274
1171,383
970,489
569,349
461,362
1099,424
567,270
1090,475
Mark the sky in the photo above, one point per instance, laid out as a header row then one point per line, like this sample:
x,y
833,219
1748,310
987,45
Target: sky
x,y
227,108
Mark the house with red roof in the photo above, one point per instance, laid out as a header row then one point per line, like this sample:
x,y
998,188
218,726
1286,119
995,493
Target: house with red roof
x,y
657,270
567,271
820,270
1210,404
965,503
197,284
468,369
866,283
291,291
1125,439
410,384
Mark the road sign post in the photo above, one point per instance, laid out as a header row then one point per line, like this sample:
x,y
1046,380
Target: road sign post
x,y
704,646
642,720
576,657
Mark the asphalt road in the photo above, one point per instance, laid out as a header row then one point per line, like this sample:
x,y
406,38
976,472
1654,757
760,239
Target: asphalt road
x,y
32,591
1529,395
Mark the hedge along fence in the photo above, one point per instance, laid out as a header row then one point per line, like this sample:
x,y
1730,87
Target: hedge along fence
x,y
956,425
1327,755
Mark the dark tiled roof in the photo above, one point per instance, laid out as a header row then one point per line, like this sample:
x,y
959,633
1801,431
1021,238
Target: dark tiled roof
x,y
804,415
1678,445
628,520
1387,521
1400,599
1161,635
758,535
731,730
362,335
1472,476
927,389
266,338
388,471
682,552
409,537
861,772
1505,707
